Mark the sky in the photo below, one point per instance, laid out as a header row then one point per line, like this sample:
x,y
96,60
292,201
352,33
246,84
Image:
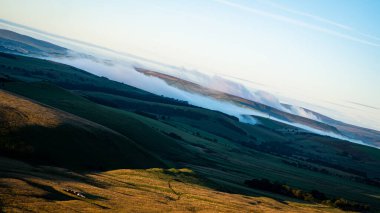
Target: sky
x,y
325,50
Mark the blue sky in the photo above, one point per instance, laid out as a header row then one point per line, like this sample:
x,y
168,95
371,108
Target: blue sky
x,y
327,50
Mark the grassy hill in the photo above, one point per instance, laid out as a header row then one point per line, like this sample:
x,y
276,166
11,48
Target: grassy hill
x,y
29,188
29,69
217,147
45,135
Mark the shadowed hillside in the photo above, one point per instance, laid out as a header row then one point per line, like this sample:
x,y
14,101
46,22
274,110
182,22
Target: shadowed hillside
x,y
41,134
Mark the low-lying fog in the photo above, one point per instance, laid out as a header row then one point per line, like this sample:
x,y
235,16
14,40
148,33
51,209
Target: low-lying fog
x,y
123,71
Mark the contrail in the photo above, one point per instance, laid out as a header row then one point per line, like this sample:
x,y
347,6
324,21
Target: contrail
x,y
320,19
364,105
369,36
312,16
296,22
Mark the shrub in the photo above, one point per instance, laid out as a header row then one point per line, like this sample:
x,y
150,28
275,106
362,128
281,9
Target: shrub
x,y
312,196
175,136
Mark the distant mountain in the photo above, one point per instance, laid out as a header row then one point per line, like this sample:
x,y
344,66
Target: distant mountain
x,y
366,135
12,42
324,123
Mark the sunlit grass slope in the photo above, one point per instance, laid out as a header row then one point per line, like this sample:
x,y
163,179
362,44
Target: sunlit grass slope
x,y
26,188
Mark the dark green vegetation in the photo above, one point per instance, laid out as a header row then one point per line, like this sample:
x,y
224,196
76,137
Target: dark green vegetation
x,y
214,145
42,135
313,195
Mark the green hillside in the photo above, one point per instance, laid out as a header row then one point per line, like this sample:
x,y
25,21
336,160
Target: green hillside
x,y
215,146
35,70
44,135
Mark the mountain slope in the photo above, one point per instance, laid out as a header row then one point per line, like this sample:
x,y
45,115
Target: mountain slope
x,y
34,70
356,132
216,146
120,121
34,132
